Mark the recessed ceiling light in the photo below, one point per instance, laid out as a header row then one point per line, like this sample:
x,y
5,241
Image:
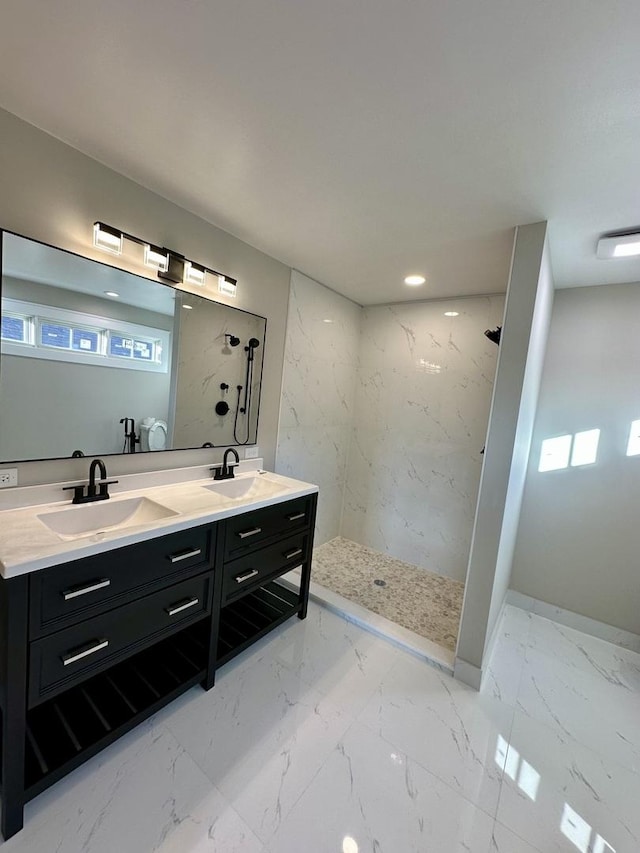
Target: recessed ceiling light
x,y
187,307
327,321
414,280
621,246
451,313
112,293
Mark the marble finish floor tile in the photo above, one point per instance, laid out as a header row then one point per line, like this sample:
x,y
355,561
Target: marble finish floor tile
x,y
323,737
424,602
144,793
261,733
447,727
370,796
565,795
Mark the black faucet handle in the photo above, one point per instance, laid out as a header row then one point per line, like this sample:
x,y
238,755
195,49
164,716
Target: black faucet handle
x,y
78,492
104,492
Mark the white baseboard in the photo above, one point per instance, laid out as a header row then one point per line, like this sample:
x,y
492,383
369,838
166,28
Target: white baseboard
x,y
467,673
617,636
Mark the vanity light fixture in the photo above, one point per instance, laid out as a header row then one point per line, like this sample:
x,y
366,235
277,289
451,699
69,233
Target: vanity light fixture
x,y
194,273
107,238
227,285
155,258
170,266
414,280
624,245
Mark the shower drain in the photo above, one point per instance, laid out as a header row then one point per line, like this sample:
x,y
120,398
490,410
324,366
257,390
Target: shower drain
x,y
379,582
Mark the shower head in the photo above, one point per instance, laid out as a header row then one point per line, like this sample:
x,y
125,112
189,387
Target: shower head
x,y
494,335
232,340
253,343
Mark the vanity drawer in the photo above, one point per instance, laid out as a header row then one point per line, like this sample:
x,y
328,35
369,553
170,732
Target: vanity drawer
x,y
251,571
65,594
67,657
243,532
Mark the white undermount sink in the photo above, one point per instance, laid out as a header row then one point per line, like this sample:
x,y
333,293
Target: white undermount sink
x,y
100,517
246,488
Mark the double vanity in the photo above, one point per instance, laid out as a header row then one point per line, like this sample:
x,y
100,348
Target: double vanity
x,y
111,609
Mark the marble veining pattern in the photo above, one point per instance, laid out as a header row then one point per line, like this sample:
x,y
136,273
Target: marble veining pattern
x,y
318,390
386,409
424,602
421,410
323,737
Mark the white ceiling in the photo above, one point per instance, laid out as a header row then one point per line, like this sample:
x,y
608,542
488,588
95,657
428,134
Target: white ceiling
x,y
355,140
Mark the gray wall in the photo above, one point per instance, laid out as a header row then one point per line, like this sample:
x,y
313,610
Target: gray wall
x,y
522,348
579,536
54,193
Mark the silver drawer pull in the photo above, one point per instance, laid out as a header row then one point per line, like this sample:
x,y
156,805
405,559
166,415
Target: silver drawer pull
x,y
83,652
245,533
243,578
184,555
183,605
77,591
291,554
296,516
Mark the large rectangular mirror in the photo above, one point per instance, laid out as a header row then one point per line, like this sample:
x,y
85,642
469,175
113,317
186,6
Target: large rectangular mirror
x,y
98,360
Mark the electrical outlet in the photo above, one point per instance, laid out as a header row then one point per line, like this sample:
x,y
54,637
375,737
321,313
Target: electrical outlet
x,y
251,452
8,477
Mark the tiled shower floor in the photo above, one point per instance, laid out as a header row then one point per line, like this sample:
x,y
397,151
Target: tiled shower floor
x,y
426,603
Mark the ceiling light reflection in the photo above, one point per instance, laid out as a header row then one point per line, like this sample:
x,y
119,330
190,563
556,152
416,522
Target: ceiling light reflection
x,y
349,845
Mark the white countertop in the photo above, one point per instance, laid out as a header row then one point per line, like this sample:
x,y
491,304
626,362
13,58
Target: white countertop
x,y
27,544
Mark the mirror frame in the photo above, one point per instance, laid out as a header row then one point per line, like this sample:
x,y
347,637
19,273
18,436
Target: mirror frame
x,y
4,231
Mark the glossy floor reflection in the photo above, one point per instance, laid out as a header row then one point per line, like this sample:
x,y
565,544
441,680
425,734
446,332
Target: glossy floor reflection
x,y
327,739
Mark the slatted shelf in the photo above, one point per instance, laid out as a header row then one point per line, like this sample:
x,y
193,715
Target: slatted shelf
x,y
245,621
64,732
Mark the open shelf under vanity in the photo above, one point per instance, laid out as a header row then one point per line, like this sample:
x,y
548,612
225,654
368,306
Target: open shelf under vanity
x,y
250,618
64,732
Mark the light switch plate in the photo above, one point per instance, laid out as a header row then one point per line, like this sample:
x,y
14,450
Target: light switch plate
x,y
252,452
8,477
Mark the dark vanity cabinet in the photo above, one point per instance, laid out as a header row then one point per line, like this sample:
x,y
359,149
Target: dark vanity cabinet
x,y
92,647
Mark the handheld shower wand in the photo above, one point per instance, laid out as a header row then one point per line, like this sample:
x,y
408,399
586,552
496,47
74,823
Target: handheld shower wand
x,y
245,409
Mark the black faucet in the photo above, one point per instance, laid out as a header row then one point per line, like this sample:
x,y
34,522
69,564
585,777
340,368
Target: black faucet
x,y
94,492
130,437
225,471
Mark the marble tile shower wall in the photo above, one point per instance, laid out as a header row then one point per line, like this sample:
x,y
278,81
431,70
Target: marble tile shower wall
x,y
421,411
317,406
